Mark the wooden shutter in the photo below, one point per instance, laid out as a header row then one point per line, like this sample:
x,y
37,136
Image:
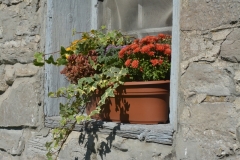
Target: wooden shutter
x,y
62,17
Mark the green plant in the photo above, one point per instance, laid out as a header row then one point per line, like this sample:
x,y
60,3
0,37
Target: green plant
x,y
90,64
148,58
102,60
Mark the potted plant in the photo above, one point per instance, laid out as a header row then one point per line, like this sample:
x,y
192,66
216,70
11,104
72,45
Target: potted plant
x,y
102,65
144,96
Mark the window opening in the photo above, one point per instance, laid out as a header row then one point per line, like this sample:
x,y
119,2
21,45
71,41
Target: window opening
x,y
135,17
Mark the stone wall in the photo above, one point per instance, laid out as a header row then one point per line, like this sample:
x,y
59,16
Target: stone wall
x,y
209,80
22,135
209,97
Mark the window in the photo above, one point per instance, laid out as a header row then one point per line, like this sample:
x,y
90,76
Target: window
x,y
135,17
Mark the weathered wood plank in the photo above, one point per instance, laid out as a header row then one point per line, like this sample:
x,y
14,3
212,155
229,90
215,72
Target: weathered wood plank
x,y
62,18
159,133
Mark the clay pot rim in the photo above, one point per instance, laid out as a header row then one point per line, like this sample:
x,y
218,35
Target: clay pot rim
x,y
146,82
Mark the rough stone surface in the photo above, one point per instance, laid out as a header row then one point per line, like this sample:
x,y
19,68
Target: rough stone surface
x,y
6,156
21,114
208,14
25,70
199,47
12,141
209,83
210,130
203,78
35,146
19,104
111,147
238,133
231,47
3,85
19,26
9,74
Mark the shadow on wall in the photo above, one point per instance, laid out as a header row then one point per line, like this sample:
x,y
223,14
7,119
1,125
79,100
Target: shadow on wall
x,y
92,149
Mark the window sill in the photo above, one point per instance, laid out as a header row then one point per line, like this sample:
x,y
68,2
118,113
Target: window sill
x,y
159,133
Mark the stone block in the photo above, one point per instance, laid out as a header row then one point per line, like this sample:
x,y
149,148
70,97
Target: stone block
x,y
231,47
22,54
204,15
19,104
12,141
206,79
212,116
221,35
196,46
5,156
35,146
9,74
3,84
25,70
26,27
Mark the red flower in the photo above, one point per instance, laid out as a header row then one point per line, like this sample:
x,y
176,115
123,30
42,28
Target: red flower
x,y
151,53
160,47
136,50
161,36
135,64
128,62
167,51
134,46
145,49
154,62
121,53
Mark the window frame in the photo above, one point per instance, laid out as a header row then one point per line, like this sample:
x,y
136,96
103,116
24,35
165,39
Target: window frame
x,y
174,79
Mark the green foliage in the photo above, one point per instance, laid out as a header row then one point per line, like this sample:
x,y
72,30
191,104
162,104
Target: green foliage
x,y
78,96
96,39
147,59
94,62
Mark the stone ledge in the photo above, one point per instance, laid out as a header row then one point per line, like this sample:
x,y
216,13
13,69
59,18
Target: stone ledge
x,y
159,133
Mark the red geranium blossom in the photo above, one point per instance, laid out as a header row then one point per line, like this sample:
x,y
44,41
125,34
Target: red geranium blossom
x,y
160,47
128,62
135,64
148,58
154,62
167,51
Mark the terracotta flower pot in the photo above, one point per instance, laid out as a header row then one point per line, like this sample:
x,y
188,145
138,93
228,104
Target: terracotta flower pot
x,y
136,102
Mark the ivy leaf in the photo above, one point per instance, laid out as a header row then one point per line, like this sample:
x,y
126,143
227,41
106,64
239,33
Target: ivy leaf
x,y
39,59
120,41
49,156
50,60
62,61
63,51
51,94
80,118
36,63
103,27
